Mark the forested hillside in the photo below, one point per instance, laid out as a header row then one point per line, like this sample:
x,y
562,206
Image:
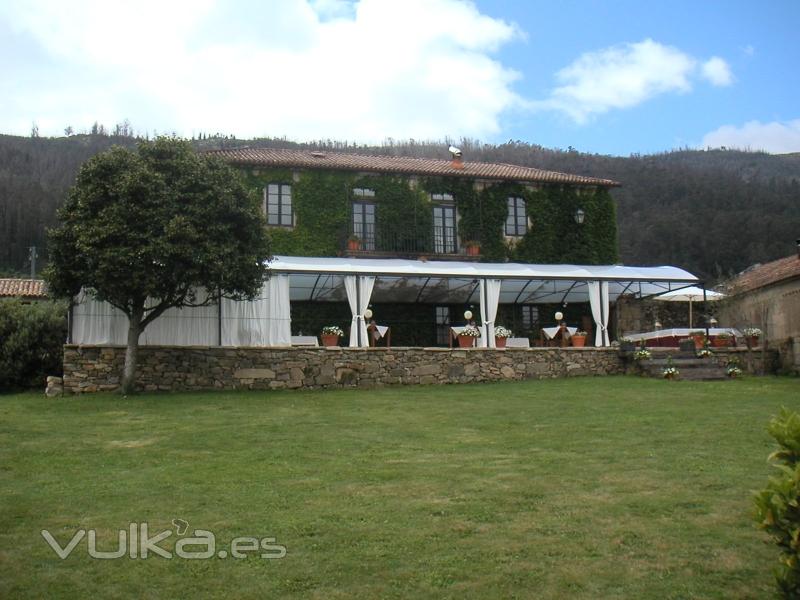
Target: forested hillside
x,y
712,212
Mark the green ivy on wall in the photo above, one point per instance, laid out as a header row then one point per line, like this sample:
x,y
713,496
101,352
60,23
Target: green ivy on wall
x,y
555,237
322,202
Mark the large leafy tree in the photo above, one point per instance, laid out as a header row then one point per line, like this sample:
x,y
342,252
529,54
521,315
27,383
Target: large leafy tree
x,y
144,229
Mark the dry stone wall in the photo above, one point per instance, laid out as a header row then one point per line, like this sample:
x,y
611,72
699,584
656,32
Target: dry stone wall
x,y
172,368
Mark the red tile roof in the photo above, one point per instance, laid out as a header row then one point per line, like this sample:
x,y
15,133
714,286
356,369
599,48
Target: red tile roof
x,y
310,159
766,274
22,288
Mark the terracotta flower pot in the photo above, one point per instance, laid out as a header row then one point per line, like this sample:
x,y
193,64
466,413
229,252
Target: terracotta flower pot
x,y
752,341
579,341
465,341
329,339
354,245
699,341
500,342
473,249
721,342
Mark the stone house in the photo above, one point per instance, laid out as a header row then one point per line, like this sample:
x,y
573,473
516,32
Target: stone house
x,y
327,204
767,296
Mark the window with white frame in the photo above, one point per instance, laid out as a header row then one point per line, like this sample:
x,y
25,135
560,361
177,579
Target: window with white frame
x,y
444,224
517,219
278,204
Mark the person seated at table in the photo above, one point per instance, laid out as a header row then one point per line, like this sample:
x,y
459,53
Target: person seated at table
x,y
375,335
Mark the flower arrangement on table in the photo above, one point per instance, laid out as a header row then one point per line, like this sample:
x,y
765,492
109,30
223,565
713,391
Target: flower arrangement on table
x,y
466,339
751,336
704,353
502,332
642,354
332,330
471,331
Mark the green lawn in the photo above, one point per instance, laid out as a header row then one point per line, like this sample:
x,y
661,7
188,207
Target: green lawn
x,y
583,488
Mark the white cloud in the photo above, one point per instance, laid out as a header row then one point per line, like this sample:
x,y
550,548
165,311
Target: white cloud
x,y
717,71
306,69
775,137
624,76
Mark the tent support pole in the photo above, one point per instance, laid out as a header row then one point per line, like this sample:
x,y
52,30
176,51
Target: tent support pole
x,y
358,304
705,308
485,307
602,316
70,319
219,318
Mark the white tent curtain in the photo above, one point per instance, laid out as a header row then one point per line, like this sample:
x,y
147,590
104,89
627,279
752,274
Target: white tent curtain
x,y
95,322
188,326
279,314
489,299
598,300
358,295
264,321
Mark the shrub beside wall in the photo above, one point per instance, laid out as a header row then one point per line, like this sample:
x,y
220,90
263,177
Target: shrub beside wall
x,y
778,506
31,342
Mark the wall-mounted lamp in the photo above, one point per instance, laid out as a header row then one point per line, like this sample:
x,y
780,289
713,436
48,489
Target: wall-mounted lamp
x,y
580,216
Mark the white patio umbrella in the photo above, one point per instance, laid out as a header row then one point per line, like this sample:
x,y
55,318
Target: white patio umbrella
x,y
690,295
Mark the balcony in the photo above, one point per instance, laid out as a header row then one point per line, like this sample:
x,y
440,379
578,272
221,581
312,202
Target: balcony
x,y
373,241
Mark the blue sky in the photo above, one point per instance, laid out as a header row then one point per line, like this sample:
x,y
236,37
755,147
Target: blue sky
x,y
614,77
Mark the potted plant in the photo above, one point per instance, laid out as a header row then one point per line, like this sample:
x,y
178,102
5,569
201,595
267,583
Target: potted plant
x,y
733,372
722,340
472,248
354,243
466,339
501,334
579,339
670,372
704,353
642,354
699,338
330,335
751,336
626,345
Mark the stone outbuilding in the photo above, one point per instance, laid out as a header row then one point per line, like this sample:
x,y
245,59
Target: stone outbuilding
x,y
767,296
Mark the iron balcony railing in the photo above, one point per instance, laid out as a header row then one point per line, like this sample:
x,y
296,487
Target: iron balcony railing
x,y
371,238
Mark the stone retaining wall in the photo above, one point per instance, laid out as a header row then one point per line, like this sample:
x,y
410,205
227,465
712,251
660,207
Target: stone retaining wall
x,y
169,368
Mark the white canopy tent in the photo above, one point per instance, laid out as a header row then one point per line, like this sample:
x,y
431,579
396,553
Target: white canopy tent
x,y
266,321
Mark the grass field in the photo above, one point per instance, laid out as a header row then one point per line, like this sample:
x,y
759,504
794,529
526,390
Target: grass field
x,y
582,488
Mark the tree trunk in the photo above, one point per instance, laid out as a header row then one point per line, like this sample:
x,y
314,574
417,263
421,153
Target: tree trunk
x,y
129,371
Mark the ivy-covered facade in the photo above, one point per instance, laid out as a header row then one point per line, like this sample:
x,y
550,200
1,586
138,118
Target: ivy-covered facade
x,y
440,210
